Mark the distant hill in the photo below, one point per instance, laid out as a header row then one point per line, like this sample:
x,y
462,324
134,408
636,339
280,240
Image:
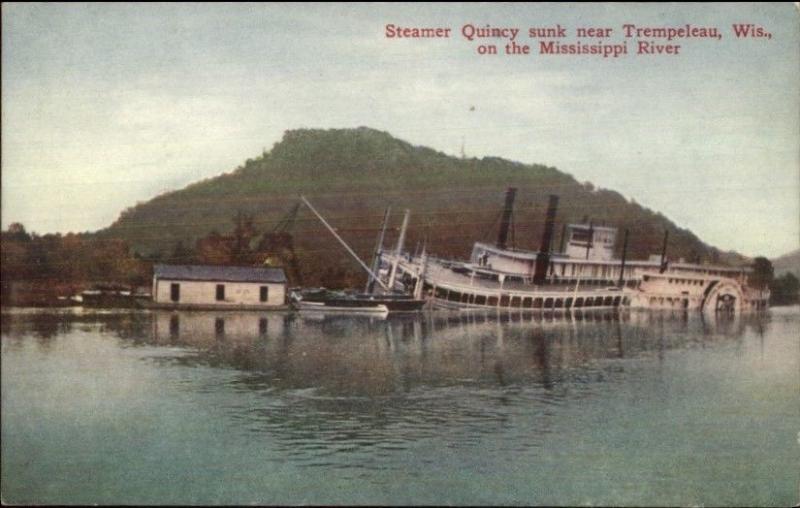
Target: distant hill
x,y
351,175
787,263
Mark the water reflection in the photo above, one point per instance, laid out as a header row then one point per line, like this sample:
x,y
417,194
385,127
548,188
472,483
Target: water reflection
x,y
364,356
405,395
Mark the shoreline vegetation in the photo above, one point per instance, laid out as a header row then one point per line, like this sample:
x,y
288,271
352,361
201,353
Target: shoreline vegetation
x,y
53,269
251,217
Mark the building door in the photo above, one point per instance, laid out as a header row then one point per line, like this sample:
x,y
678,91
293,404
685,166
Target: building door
x,y
175,292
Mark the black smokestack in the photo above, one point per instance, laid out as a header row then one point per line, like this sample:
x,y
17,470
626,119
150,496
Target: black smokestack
x,y
505,222
543,259
664,253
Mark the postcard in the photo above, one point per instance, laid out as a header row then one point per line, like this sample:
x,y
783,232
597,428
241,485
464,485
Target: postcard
x,y
400,254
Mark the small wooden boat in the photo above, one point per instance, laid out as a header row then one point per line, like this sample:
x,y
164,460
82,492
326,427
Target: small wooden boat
x,y
340,301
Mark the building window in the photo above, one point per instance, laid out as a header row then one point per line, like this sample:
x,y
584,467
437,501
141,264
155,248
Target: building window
x,y
175,292
263,294
220,292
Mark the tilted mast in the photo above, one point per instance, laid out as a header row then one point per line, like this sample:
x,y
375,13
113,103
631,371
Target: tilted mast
x,y
344,244
376,260
399,250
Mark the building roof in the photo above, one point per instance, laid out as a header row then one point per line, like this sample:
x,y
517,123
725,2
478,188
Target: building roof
x,y
219,273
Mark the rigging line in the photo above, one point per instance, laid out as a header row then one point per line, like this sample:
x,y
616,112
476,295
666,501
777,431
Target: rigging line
x,y
491,228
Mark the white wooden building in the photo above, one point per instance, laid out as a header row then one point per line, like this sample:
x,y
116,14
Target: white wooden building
x,y
205,286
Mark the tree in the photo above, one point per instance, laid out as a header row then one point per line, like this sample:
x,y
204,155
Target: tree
x,y
784,290
214,249
16,232
763,273
243,233
234,248
181,254
14,253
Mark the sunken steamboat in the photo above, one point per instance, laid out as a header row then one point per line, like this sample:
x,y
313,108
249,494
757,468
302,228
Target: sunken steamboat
x,y
582,274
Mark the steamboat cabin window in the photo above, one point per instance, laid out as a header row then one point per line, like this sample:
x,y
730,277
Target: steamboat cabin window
x,y
580,235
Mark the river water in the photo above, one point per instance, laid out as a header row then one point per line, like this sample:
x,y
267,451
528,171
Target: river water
x,y
223,408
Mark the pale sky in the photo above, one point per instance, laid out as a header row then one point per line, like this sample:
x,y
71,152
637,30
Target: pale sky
x,y
104,106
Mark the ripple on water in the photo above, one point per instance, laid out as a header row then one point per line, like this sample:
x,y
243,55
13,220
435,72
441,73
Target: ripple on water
x,y
576,410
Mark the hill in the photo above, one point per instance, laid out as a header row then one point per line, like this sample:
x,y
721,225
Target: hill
x,y
351,175
787,263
